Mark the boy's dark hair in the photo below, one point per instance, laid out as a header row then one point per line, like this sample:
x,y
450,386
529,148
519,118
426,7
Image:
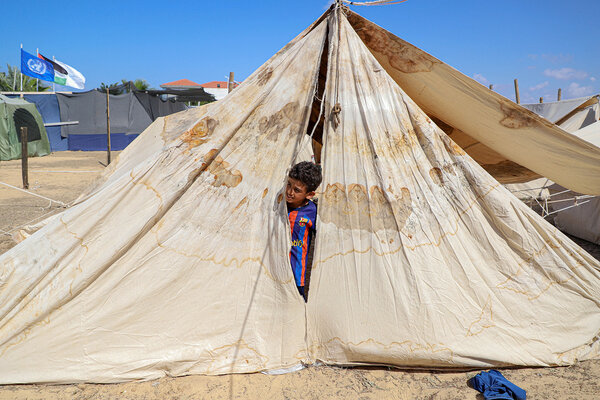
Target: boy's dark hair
x,y
308,173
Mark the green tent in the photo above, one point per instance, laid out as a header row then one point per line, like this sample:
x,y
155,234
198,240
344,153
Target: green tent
x,y
14,114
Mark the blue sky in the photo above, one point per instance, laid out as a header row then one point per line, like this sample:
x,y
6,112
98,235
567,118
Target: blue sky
x,y
546,44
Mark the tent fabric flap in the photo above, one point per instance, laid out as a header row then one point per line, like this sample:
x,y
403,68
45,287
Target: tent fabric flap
x,y
518,135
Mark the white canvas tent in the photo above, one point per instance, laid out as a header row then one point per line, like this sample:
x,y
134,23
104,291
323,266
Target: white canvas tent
x,y
579,215
575,213
176,262
571,114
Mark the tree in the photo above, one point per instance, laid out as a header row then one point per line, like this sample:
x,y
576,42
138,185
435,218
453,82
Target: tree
x,y
124,86
139,84
10,81
113,88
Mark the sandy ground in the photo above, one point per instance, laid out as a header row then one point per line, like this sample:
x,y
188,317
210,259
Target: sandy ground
x,y
60,176
63,176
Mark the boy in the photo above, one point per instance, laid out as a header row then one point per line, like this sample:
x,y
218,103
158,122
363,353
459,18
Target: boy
x,y
303,180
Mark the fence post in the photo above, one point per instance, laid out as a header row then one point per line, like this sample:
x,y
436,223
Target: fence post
x,y
24,157
107,129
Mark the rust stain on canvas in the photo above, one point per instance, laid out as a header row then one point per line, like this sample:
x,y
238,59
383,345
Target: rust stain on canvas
x,y
436,175
274,125
401,55
515,118
354,206
199,133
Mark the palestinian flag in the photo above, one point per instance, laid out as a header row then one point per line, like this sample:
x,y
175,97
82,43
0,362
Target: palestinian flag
x,y
65,74
60,74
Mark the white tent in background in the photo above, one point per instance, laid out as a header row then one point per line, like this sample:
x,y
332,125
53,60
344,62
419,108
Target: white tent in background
x,y
590,133
574,213
572,114
582,217
177,263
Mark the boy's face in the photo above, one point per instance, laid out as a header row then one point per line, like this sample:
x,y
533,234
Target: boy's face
x,y
296,194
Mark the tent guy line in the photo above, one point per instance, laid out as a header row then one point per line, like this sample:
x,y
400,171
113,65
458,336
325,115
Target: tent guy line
x,y
35,194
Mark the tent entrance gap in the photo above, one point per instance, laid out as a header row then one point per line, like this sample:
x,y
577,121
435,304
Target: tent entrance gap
x,y
317,117
315,127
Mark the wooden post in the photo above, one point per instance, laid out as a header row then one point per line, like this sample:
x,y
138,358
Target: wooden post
x,y
491,87
541,100
107,129
230,84
517,91
24,157
559,94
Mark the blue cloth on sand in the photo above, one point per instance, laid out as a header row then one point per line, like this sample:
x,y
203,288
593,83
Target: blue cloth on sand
x,y
495,386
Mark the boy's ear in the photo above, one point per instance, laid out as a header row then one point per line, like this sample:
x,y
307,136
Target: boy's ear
x,y
310,195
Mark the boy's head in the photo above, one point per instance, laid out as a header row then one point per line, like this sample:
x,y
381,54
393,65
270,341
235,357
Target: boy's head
x,y
304,179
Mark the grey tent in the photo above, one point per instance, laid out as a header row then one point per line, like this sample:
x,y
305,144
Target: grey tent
x,y
130,114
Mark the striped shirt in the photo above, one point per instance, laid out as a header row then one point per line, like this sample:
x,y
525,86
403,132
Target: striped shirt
x,y
303,225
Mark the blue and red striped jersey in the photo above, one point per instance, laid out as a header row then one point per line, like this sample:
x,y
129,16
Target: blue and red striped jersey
x,y
303,222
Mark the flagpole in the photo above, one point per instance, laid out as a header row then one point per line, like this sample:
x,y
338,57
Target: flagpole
x,y
37,88
21,72
53,84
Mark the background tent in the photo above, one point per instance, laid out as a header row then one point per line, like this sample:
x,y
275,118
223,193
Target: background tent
x,y
14,114
47,105
127,119
177,261
155,106
130,114
583,220
571,114
573,212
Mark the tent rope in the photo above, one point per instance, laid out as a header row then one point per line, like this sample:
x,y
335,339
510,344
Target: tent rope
x,y
373,3
337,108
34,194
9,233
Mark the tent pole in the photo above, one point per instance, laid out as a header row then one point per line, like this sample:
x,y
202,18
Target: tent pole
x,y
24,155
541,100
559,94
517,91
107,129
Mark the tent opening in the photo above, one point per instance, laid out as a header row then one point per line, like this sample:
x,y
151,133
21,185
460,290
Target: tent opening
x,y
317,115
25,119
315,127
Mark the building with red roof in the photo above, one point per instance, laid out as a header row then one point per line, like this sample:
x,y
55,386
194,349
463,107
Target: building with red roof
x,y
181,84
217,88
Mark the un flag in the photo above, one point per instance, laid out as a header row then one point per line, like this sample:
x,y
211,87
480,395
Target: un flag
x,y
36,67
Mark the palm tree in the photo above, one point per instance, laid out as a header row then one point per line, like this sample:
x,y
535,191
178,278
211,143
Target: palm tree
x,y
113,88
11,81
139,84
